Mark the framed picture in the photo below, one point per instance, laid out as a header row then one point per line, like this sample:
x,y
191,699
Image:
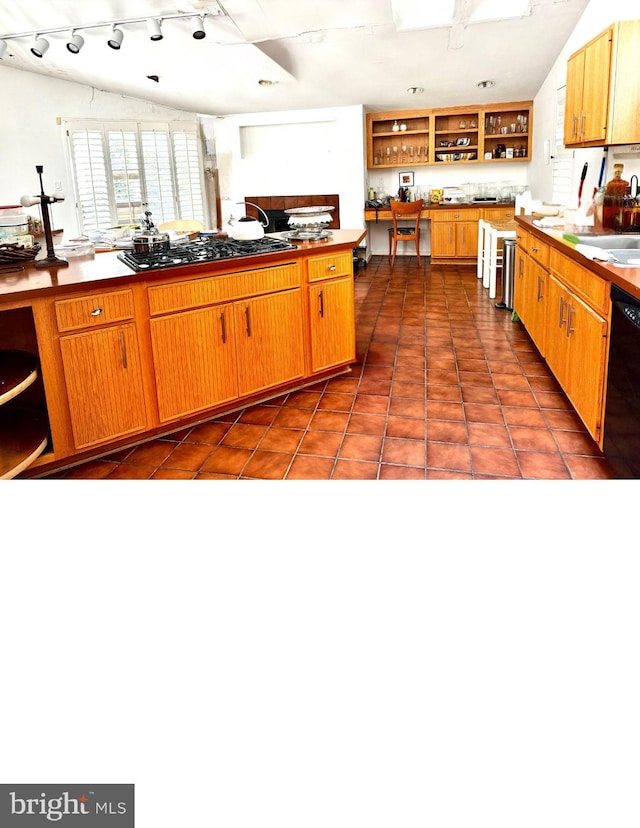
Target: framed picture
x,y
406,179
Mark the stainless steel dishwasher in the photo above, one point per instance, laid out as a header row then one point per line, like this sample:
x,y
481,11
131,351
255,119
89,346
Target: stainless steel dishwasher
x,y
622,412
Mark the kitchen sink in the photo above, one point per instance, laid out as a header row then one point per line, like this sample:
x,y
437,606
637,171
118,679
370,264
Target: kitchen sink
x,y
613,241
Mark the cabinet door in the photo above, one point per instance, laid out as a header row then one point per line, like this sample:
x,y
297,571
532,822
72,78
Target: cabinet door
x,y
536,286
104,384
587,336
467,239
519,285
573,103
556,340
332,323
595,94
269,338
194,359
443,239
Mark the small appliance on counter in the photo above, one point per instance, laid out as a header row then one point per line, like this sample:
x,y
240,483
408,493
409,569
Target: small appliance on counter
x,y
308,223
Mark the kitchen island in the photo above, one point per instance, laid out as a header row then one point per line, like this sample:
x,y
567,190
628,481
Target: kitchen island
x,y
127,356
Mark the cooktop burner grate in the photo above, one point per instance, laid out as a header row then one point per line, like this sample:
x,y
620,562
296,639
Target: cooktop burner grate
x,y
203,249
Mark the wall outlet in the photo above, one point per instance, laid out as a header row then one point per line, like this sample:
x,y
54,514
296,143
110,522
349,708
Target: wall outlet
x,y
57,186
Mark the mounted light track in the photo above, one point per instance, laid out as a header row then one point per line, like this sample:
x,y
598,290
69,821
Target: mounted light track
x,y
76,41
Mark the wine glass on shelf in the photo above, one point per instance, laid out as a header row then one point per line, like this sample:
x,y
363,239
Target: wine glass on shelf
x,y
411,155
418,151
404,153
394,158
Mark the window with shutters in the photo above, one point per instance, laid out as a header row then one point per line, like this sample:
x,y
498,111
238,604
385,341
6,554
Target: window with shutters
x,y
121,169
561,158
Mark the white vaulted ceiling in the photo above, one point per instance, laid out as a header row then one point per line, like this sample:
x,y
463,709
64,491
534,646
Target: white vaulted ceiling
x,y
316,53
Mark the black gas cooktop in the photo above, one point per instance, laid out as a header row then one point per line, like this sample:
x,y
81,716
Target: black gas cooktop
x,y
203,249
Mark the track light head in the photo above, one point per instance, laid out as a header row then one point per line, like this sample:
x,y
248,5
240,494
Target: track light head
x,y
3,48
40,46
197,28
117,36
75,44
153,28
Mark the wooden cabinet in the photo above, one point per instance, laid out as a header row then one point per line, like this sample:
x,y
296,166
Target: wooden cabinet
x,y
577,352
103,377
603,96
206,356
454,234
456,135
530,292
269,340
194,359
398,138
331,311
587,95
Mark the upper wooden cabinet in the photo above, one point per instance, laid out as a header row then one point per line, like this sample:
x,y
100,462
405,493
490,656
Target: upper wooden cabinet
x,y
603,95
457,135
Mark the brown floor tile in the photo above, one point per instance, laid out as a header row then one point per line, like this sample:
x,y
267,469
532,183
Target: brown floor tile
x,y
93,470
404,452
188,456
371,404
563,420
531,417
446,431
485,434
268,465
519,399
483,396
211,432
293,418
388,472
444,393
476,413
129,472
443,474
355,470
361,447
226,460
329,421
542,466
320,443
244,435
303,399
260,414
510,382
366,424
150,454
281,439
407,408
532,439
445,411
496,461
575,442
589,468
451,456
336,402
310,468
411,390
406,427
172,474
549,399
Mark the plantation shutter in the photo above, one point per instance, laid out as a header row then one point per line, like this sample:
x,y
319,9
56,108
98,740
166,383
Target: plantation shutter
x,y
92,187
562,158
122,168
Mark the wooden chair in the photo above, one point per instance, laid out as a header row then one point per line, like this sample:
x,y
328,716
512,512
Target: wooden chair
x,y
405,211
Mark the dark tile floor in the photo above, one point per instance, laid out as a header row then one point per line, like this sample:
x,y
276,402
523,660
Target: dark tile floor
x,y
446,387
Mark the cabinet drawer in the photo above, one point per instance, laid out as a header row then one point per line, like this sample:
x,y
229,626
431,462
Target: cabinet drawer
x,y
586,284
210,290
522,239
328,267
538,250
92,311
498,214
455,215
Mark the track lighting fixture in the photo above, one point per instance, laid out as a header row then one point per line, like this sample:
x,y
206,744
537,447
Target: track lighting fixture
x,y
117,36
153,28
40,46
76,43
197,28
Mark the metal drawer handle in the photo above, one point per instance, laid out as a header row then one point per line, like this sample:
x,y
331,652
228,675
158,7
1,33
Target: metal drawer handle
x,y
223,323
321,298
570,313
123,350
96,312
247,313
540,297
332,267
534,249
561,319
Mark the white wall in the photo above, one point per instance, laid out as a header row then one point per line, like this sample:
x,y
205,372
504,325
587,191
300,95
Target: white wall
x,y
299,152
30,133
596,17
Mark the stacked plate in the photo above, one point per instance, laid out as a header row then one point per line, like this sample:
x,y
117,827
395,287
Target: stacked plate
x,y
308,223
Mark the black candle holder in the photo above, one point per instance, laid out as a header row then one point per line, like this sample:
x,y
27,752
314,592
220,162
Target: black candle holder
x,y
51,260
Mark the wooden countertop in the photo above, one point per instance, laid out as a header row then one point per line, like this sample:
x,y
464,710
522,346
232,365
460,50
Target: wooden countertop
x,y
89,272
627,278
384,213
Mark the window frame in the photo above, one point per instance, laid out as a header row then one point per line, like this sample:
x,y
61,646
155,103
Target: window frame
x,y
193,196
